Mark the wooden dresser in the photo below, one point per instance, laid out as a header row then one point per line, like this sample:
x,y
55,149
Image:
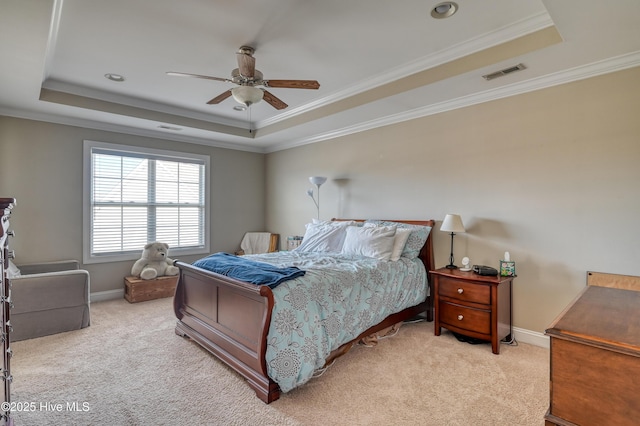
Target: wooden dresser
x,y
6,204
595,360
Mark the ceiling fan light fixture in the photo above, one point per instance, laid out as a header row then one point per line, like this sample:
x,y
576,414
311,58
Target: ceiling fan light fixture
x,y
444,10
247,77
247,95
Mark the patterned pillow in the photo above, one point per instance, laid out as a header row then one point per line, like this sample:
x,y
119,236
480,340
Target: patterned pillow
x,y
416,240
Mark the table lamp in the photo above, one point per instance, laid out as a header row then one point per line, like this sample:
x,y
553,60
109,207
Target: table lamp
x,y
452,223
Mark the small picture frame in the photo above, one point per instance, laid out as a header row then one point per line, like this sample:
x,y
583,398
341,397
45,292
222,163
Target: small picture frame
x,y
507,268
293,242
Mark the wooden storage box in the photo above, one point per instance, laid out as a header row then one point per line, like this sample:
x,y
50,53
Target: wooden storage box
x,y
139,290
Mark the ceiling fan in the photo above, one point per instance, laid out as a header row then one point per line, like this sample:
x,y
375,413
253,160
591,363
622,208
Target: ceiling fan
x,y
247,77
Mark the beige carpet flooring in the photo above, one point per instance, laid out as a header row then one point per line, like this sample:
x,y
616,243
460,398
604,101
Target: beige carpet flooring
x,y
130,368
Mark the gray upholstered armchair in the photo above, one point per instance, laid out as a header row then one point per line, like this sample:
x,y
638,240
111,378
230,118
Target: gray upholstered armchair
x,y
49,298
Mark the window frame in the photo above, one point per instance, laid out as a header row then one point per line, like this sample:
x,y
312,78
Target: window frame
x,y
145,152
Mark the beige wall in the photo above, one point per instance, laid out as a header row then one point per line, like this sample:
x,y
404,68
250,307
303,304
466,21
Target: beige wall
x,y
41,166
552,176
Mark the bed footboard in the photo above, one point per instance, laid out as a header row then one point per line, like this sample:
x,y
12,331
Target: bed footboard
x,y
230,319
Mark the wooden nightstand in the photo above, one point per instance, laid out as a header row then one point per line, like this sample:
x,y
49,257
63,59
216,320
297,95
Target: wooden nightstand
x,y
472,305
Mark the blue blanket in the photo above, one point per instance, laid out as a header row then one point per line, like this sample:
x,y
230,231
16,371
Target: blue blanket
x,y
251,271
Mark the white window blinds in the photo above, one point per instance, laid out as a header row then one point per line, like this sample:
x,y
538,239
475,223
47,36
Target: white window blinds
x,y
139,197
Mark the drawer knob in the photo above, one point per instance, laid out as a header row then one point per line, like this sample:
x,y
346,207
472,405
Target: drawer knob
x,y
460,291
460,317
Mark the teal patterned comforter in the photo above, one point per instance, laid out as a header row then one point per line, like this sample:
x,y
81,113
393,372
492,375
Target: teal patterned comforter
x,y
339,297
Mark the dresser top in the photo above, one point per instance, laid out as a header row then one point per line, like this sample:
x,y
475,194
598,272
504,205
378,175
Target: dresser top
x,y
471,276
604,317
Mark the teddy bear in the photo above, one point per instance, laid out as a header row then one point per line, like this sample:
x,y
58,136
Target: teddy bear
x,y
155,262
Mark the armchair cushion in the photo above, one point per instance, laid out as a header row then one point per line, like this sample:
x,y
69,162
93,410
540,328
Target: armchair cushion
x,y
49,298
258,242
46,267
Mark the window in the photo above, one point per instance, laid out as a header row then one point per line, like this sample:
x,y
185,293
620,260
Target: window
x,y
134,195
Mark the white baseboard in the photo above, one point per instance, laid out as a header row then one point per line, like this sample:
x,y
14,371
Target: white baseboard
x,y
531,337
101,296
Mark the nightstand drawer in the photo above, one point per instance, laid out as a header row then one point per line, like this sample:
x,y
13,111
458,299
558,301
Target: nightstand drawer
x,y
467,318
464,291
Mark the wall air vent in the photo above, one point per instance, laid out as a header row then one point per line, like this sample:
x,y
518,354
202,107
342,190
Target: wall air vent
x,y
504,72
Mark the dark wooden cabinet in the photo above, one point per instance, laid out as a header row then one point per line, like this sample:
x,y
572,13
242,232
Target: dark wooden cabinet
x,y
595,360
6,204
472,305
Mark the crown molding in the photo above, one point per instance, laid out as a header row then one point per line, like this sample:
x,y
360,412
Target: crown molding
x,y
129,101
460,50
128,130
607,66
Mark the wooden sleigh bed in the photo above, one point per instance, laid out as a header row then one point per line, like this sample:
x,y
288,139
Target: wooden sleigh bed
x,y
231,318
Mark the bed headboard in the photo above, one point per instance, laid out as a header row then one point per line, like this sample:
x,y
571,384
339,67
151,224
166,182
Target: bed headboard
x,y
426,254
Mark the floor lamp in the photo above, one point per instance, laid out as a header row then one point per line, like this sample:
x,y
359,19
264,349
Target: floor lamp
x,y
452,223
317,181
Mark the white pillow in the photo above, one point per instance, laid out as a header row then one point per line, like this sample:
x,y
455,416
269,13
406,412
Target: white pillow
x,y
323,237
402,235
376,242
13,270
400,241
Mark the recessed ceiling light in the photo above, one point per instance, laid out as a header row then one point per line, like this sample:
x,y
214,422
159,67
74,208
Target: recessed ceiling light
x,y
240,108
114,77
444,10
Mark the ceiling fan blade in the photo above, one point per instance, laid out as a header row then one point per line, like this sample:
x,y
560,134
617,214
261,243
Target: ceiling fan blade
x,y
292,84
221,97
273,101
206,77
246,64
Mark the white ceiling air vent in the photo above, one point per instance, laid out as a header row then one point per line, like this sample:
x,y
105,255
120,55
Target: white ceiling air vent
x,y
165,127
503,72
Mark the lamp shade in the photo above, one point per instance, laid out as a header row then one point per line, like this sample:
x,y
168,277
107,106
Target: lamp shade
x,y
452,223
317,180
247,95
